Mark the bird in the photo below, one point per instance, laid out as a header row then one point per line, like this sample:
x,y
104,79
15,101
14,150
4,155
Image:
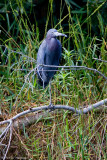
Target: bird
x,y
49,53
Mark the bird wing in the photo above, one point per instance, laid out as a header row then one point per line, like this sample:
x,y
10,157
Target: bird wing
x,y
49,53
41,58
41,55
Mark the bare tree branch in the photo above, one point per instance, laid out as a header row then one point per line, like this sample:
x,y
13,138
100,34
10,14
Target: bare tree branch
x,y
77,111
76,67
11,120
4,133
10,137
100,60
30,59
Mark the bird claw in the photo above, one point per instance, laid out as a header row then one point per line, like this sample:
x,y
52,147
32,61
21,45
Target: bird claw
x,y
51,107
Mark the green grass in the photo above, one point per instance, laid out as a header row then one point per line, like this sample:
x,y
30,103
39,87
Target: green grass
x,y
62,135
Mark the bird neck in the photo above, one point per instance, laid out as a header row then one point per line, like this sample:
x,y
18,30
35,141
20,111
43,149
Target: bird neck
x,y
49,37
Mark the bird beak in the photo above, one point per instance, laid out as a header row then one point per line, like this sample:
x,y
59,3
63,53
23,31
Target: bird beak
x,y
59,34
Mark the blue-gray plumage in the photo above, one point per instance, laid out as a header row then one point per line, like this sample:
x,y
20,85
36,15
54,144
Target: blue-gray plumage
x,y
49,53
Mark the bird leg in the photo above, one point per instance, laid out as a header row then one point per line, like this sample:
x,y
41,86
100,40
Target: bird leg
x,y
51,106
50,92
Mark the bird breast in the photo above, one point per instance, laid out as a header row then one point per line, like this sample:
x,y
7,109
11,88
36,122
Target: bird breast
x,y
53,52
53,45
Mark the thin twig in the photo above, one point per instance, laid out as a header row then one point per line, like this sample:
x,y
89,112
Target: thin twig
x,y
4,136
20,53
100,60
82,67
53,66
10,137
6,129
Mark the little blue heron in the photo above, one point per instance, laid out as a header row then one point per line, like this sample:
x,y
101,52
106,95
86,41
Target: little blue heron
x,y
49,53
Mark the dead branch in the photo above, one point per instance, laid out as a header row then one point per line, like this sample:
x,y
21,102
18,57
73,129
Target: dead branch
x,y
12,120
30,59
74,110
100,60
76,68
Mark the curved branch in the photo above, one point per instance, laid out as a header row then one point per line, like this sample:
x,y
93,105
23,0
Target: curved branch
x,y
78,111
76,67
7,128
10,137
11,121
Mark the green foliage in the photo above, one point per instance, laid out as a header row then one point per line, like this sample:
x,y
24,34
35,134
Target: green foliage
x,y
63,135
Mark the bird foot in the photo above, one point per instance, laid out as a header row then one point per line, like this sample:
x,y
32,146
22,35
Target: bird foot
x,y
51,107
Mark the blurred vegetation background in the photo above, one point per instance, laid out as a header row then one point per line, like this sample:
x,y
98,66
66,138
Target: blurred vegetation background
x,y
23,25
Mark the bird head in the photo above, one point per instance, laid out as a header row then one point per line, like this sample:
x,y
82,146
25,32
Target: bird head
x,y
53,33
